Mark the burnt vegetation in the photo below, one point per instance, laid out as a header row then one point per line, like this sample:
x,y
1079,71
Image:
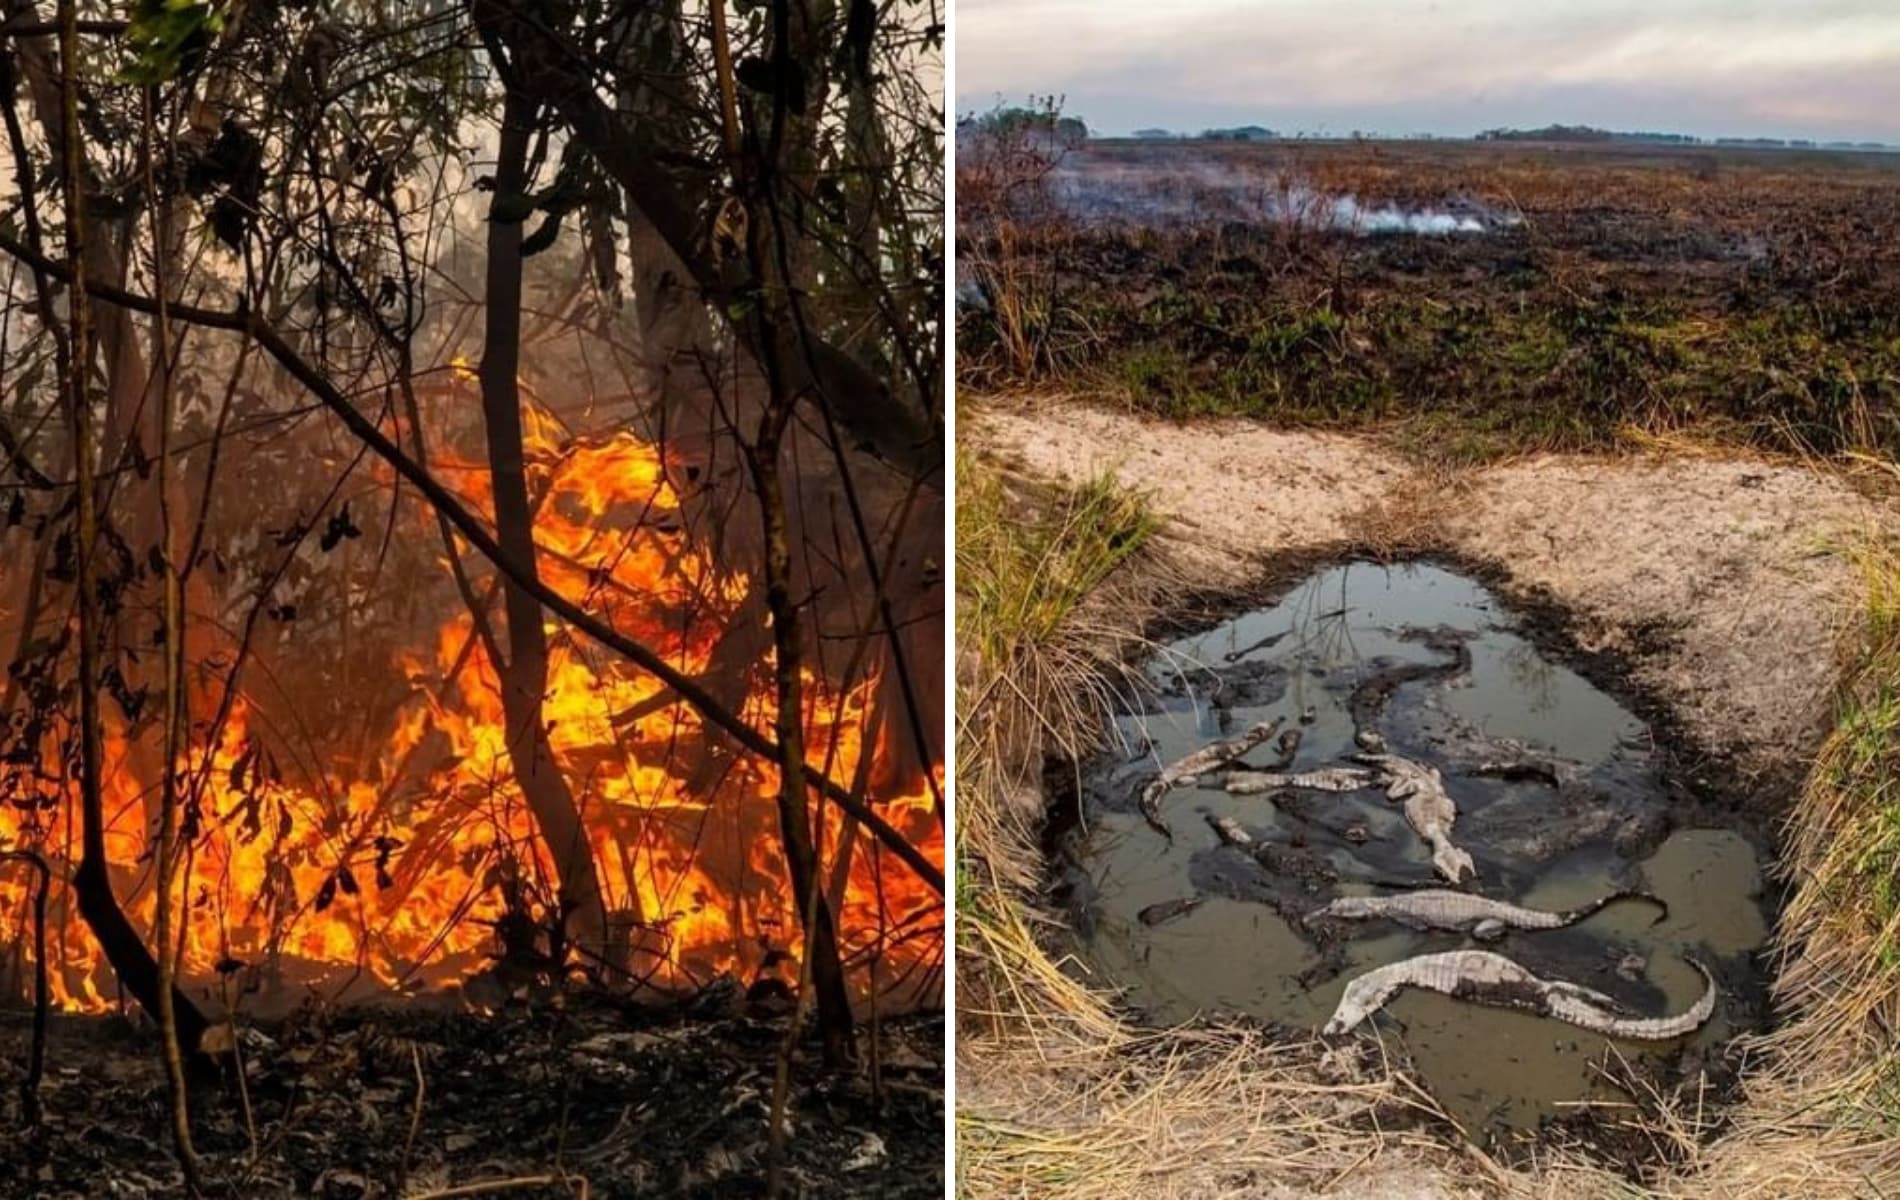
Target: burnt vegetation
x,y
470,547
1563,293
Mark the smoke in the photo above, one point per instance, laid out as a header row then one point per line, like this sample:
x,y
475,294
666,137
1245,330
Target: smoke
x,y
1345,212
1180,193
970,294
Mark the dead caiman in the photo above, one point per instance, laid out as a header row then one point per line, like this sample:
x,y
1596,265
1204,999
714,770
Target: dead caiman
x,y
1428,809
1480,916
1419,787
1486,978
1235,834
1327,779
1208,757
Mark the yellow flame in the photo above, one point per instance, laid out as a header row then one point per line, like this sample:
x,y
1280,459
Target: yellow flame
x,y
395,871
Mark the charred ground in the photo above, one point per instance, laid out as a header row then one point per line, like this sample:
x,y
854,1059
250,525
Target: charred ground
x,y
1754,292
381,1102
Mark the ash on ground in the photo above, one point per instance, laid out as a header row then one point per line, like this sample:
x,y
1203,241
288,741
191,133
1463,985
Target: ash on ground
x,y
636,1102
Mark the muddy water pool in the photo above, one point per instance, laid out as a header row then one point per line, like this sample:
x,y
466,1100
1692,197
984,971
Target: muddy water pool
x,y
1189,926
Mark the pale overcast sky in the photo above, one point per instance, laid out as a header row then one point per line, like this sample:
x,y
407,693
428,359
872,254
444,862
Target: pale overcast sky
x,y
1827,69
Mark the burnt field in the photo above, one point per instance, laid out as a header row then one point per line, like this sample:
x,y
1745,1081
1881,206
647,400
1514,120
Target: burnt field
x,y
1490,297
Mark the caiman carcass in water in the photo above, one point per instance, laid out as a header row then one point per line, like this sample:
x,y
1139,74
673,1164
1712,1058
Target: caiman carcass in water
x,y
1482,977
1479,916
1207,758
1420,788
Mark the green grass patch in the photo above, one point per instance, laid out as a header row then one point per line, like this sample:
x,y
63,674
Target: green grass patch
x,y
1868,766
1861,767
1025,562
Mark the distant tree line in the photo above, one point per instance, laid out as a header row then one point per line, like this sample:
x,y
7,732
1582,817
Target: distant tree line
x,y
1589,133
1237,133
1039,116
1073,132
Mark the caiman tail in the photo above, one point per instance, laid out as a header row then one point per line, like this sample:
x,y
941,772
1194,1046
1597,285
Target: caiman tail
x,y
1572,916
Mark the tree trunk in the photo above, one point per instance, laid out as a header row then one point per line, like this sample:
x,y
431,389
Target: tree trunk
x,y
544,64
794,813
524,677
114,339
177,701
92,882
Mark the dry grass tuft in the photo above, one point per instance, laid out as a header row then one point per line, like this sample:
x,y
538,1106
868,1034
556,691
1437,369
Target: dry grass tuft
x,y
1821,1112
1054,588
1186,1112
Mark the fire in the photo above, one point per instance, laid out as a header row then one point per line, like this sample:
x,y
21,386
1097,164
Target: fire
x,y
398,871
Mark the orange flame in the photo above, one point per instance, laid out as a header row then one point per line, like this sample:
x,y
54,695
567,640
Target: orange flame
x,y
398,873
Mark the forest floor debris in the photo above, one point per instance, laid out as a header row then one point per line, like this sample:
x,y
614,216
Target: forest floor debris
x,y
633,1102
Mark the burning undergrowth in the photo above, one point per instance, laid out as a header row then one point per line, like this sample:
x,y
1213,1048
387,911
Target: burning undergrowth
x,y
446,563
354,822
